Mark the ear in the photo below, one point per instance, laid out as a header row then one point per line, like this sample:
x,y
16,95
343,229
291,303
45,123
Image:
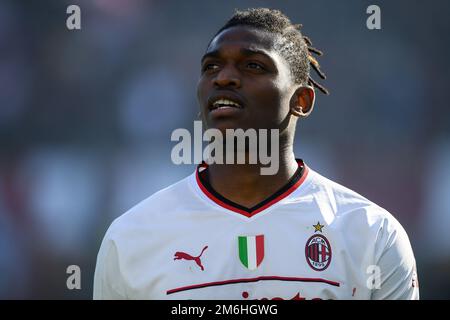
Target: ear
x,y
302,101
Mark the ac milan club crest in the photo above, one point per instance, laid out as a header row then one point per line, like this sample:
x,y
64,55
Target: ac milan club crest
x,y
318,250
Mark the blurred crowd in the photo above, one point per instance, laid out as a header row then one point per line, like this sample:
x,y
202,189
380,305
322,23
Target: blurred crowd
x,y
86,117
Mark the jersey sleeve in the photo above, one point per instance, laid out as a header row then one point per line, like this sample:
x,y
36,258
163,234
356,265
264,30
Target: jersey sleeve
x,y
108,281
394,259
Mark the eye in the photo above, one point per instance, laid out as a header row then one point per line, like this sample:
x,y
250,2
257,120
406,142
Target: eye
x,y
209,66
255,66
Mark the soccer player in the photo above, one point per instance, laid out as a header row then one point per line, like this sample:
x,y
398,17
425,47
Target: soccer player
x,y
229,232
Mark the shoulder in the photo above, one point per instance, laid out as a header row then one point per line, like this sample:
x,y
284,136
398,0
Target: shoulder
x,y
361,221
342,204
149,211
372,231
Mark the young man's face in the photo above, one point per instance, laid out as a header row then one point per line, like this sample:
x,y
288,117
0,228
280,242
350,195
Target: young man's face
x,y
241,65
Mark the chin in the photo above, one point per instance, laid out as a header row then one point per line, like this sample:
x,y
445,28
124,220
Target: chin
x,y
222,126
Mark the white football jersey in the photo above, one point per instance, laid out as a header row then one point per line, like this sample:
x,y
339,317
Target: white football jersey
x,y
313,239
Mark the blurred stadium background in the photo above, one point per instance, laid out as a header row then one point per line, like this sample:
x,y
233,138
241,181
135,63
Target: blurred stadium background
x,y
86,118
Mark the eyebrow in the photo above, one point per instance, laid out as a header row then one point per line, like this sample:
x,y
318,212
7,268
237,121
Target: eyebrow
x,y
244,51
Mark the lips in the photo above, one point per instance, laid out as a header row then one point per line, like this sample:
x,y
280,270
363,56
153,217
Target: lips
x,y
224,101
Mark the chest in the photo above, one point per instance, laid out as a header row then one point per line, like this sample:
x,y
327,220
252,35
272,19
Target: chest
x,y
281,259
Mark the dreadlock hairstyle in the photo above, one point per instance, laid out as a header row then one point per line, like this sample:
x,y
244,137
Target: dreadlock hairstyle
x,y
292,45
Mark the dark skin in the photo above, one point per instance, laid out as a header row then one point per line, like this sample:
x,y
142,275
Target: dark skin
x,y
243,62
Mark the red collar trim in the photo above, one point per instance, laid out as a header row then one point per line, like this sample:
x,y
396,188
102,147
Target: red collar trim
x,y
291,186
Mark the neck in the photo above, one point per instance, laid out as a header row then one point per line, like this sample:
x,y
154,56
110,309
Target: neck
x,y
244,184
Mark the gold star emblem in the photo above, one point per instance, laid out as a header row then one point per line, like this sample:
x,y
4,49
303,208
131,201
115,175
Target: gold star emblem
x,y
318,227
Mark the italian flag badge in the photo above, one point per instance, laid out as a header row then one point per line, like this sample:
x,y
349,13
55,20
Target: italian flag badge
x,y
251,250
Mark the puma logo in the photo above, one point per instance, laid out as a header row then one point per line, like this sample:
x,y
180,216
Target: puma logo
x,y
183,255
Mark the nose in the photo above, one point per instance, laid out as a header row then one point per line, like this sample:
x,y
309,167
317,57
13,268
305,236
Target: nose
x,y
227,77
